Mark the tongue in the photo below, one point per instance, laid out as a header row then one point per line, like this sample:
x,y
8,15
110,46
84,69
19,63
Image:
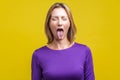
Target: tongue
x,y
60,34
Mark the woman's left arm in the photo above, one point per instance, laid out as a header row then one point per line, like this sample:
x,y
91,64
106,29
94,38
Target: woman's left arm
x,y
88,66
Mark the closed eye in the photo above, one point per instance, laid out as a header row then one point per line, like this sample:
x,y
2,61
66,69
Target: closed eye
x,y
54,19
64,18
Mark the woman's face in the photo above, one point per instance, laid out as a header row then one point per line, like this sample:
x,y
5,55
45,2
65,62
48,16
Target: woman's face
x,y
59,23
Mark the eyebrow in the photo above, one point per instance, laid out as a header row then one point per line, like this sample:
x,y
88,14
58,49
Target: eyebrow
x,y
57,16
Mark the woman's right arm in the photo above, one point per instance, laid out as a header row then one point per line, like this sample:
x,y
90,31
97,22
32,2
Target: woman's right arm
x,y
36,69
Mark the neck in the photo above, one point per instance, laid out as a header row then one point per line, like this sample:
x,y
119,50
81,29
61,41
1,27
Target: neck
x,y
60,44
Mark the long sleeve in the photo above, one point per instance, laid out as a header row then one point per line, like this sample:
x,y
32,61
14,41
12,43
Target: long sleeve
x,y
88,67
36,70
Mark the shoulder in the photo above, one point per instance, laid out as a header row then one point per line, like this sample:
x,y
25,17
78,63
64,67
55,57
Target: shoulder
x,y
83,46
39,50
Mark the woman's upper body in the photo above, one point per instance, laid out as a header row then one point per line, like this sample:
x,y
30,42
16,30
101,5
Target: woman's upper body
x,y
73,63
62,58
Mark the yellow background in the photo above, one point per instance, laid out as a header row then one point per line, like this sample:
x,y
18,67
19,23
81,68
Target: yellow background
x,y
22,31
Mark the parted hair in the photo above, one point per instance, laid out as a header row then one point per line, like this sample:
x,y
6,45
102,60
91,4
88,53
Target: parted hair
x,y
72,29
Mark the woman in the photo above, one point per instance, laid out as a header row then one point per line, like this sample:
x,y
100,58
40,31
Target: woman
x,y
62,58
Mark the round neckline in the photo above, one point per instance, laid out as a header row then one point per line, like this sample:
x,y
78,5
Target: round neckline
x,y
61,49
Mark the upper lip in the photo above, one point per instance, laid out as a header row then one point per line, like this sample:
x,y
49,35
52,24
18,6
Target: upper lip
x,y
60,29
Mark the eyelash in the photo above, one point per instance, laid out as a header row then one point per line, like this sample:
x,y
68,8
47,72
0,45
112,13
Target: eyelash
x,y
64,19
54,19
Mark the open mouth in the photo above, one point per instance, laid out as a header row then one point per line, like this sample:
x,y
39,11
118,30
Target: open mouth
x,y
60,29
60,33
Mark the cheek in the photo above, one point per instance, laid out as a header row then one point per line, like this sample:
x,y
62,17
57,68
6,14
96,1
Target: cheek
x,y
67,25
52,26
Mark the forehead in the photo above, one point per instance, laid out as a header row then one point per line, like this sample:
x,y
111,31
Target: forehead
x,y
59,12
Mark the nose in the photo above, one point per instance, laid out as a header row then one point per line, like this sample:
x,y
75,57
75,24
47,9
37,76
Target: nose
x,y
59,22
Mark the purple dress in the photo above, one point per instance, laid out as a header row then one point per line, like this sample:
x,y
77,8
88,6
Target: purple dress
x,y
74,63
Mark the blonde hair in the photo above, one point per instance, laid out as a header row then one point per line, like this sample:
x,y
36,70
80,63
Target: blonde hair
x,y
72,30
